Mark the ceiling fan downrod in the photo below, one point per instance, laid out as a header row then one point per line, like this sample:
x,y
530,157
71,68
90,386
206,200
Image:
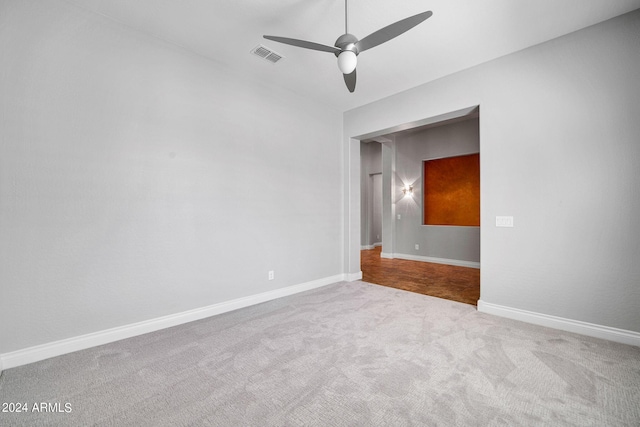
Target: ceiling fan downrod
x,y
346,17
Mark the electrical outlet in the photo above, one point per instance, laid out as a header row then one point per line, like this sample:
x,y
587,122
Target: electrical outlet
x,y
378,237
504,221
417,247
399,216
271,275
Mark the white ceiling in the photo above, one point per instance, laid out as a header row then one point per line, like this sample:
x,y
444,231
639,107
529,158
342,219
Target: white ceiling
x,y
459,35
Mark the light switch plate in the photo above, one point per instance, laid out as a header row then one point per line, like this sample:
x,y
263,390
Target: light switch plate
x,y
504,221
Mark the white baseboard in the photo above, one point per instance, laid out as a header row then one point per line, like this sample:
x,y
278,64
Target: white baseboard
x,y
456,262
367,247
353,276
584,328
69,345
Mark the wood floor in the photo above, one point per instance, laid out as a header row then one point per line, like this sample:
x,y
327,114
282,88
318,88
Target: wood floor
x,y
450,282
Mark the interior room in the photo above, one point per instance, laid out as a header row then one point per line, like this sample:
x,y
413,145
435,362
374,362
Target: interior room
x,y
183,212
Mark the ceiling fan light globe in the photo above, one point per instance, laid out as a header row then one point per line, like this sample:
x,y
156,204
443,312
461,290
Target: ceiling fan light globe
x,y
347,61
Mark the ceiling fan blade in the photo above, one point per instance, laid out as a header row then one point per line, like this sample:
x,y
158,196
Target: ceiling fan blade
x,y
350,80
304,44
391,31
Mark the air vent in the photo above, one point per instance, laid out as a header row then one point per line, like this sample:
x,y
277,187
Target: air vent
x,y
266,54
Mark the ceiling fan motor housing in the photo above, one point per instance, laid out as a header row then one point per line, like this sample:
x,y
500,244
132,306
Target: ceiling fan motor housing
x,y
347,42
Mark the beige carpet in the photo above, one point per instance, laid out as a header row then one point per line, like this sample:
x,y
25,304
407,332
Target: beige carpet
x,y
349,354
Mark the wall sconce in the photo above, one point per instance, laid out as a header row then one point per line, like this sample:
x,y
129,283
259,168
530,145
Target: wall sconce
x,y
407,190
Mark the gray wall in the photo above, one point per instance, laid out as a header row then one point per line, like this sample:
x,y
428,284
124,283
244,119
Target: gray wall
x,y
445,242
375,229
139,180
559,143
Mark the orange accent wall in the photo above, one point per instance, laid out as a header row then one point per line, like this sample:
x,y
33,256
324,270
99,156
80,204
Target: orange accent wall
x,y
452,191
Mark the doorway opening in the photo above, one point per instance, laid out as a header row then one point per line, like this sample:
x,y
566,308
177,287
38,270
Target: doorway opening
x,y
437,260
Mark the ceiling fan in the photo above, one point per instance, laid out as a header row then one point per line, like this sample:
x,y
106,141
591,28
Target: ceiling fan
x,y
347,47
